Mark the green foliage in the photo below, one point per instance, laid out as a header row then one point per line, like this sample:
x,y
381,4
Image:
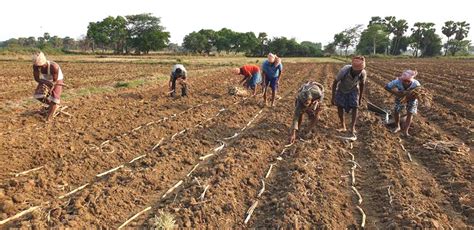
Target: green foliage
x,y
141,33
374,39
226,40
291,48
146,34
195,42
399,42
425,40
455,46
330,49
129,84
460,31
246,43
347,38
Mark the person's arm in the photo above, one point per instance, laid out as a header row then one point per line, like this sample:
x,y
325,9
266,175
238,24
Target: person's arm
x,y
280,67
55,72
340,75
36,73
185,76
411,93
264,74
317,109
390,87
170,82
333,96
297,117
361,87
243,80
361,91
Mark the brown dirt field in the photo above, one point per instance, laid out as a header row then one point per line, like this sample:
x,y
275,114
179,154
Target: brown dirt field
x,y
309,184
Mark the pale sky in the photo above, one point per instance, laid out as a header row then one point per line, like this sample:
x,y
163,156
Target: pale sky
x,y
304,20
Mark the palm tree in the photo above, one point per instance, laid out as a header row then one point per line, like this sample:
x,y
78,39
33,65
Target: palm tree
x,y
462,31
399,28
449,29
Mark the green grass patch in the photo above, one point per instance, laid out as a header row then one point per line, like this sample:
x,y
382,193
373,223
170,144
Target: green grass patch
x,y
130,84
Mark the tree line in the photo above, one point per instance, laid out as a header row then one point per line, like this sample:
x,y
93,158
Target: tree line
x,y
142,33
389,36
45,42
225,40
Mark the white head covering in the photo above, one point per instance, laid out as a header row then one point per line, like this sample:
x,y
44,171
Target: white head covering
x,y
408,75
39,59
271,57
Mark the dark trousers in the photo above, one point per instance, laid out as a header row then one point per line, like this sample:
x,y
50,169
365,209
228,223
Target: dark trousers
x,y
184,87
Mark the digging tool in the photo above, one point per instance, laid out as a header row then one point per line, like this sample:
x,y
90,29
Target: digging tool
x,y
379,111
385,114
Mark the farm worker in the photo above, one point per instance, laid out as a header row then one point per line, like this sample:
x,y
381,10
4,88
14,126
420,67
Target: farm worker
x,y
49,76
403,88
271,70
308,100
178,74
347,90
251,75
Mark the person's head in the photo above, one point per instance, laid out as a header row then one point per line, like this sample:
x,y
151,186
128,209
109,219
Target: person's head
x,y
305,97
358,64
178,71
39,59
236,71
407,76
271,57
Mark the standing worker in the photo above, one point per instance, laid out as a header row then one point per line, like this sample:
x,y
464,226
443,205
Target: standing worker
x,y
405,93
271,70
348,89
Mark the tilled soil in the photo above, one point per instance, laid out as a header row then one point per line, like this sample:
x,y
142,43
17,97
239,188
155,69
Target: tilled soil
x,y
123,151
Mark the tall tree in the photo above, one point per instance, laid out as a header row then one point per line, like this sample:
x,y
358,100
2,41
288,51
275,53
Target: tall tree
x,y
374,39
449,29
425,39
225,40
69,43
210,36
263,43
462,30
56,42
347,38
146,33
246,42
31,42
399,27
195,42
46,37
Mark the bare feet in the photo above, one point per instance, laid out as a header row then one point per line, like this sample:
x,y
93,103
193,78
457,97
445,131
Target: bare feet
x,y
353,131
342,130
396,130
405,133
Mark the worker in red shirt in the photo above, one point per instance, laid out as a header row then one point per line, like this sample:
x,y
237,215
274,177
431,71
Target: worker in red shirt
x,y
252,76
